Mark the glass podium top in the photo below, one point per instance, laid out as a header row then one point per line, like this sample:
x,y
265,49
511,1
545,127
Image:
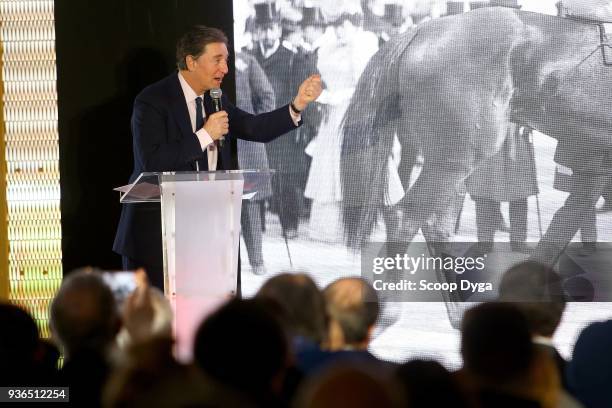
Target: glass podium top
x,y
146,188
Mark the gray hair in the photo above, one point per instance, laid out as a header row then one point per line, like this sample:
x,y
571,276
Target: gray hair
x,y
84,313
193,43
353,303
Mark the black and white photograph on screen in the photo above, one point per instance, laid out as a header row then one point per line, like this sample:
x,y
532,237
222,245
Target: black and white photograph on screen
x,y
465,128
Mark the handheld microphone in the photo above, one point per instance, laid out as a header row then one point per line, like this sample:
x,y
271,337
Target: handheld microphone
x,y
216,94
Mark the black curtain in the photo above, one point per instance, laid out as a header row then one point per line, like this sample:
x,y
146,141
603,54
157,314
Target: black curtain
x,y
107,51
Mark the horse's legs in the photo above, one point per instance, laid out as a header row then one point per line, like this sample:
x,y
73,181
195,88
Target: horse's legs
x,y
432,205
441,226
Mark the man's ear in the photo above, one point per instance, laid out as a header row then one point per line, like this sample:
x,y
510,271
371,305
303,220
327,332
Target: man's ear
x,y
190,62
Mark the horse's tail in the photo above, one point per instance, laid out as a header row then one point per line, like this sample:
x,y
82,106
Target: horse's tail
x,y
366,144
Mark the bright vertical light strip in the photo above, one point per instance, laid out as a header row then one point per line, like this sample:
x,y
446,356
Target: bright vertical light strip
x,y
34,270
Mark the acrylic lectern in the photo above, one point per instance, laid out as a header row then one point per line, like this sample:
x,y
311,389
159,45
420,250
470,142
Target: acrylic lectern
x,y
200,214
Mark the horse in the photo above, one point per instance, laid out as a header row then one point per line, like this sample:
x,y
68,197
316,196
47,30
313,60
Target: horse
x,y
450,87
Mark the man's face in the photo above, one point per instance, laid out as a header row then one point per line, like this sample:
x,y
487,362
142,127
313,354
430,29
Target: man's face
x,y
209,68
268,34
312,34
295,37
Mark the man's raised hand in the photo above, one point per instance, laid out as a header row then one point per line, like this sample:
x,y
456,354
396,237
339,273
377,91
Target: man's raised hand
x,y
308,92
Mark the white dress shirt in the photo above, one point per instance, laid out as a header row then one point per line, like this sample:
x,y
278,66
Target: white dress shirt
x,y
206,142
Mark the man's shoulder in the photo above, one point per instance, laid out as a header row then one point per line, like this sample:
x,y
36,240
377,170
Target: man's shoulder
x,y
287,48
158,90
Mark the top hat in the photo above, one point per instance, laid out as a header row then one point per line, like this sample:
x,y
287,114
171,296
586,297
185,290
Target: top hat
x,y
454,7
505,3
312,16
266,13
336,12
393,14
289,26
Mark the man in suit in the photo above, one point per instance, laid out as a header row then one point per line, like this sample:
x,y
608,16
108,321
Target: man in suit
x,y
509,175
373,22
306,59
397,21
254,94
278,63
170,134
589,372
501,365
536,290
85,320
353,309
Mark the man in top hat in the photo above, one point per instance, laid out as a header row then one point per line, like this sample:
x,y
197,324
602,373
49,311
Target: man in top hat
x,y
394,14
278,62
372,22
291,32
397,23
313,27
306,59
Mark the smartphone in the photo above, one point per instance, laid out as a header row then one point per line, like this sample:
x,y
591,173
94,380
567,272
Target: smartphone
x,y
122,284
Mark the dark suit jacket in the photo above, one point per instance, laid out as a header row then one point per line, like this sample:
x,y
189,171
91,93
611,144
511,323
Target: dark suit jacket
x,y
163,140
560,362
579,155
254,94
280,70
589,373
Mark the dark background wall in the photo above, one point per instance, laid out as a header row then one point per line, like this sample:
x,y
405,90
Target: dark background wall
x,y
107,51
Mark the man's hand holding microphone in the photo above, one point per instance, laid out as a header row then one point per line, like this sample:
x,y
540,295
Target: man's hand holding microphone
x,y
217,125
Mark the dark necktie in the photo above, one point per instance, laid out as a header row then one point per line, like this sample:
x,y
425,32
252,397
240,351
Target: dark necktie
x,y
199,125
199,115
209,109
